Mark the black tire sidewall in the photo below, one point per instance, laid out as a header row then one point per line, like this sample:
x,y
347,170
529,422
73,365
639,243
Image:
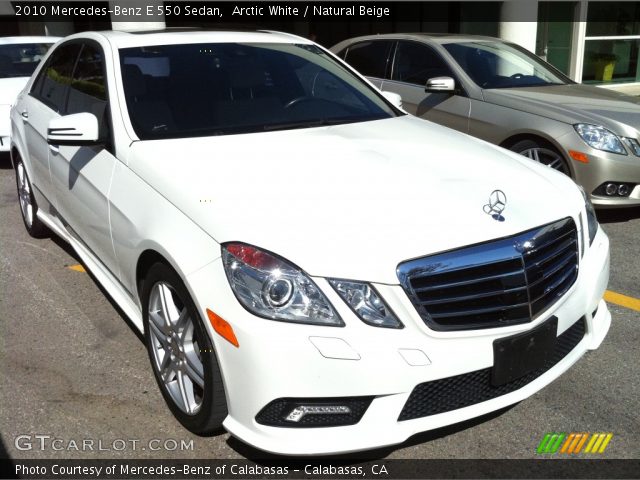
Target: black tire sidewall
x,y
213,411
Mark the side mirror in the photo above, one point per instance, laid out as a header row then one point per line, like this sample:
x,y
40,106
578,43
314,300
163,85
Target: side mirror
x,y
76,129
440,84
394,98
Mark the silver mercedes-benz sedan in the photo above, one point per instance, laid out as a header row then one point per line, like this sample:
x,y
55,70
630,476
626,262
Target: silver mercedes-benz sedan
x,y
505,95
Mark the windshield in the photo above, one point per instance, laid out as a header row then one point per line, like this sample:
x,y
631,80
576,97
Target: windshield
x,y
500,65
175,91
21,59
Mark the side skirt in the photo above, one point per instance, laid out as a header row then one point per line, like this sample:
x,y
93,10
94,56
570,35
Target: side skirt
x,y
106,279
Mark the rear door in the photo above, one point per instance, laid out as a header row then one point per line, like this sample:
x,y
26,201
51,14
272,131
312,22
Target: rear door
x,y
413,64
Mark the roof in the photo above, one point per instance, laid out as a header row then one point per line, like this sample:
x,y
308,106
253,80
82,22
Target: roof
x,y
432,37
121,39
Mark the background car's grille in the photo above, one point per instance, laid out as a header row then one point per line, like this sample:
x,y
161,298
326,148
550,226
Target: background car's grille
x,y
494,284
452,393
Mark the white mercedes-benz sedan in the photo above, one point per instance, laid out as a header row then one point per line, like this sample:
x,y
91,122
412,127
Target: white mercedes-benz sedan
x,y
313,269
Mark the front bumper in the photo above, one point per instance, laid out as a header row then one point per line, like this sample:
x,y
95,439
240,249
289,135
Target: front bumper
x,y
603,167
282,360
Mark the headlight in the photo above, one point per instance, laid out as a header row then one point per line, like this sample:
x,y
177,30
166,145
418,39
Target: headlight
x,y
366,303
600,138
592,220
273,288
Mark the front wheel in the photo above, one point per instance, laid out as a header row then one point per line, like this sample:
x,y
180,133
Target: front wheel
x,y
28,205
181,353
542,153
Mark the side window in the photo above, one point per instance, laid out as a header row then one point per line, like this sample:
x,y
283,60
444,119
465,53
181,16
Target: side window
x,y
87,91
416,63
51,85
369,58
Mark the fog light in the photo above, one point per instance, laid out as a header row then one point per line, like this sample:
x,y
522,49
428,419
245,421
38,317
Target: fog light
x,y
298,413
623,190
313,412
611,189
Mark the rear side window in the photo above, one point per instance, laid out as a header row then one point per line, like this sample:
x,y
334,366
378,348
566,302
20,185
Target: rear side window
x,y
369,58
51,85
416,63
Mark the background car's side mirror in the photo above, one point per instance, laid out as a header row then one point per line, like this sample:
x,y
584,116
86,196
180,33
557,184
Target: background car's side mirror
x,y
76,129
394,98
440,84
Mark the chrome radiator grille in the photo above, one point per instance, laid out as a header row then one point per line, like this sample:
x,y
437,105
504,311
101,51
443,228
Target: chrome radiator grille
x,y
503,282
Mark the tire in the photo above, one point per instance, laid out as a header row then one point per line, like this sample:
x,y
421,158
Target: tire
x,y
181,353
542,152
28,205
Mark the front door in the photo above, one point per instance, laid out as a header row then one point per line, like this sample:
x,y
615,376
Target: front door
x,y
81,175
415,63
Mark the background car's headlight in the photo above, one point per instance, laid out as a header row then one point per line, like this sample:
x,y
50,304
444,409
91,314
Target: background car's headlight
x,y
592,220
600,138
633,145
271,287
366,303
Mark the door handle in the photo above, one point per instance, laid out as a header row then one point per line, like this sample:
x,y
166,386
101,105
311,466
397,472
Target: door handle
x,y
24,114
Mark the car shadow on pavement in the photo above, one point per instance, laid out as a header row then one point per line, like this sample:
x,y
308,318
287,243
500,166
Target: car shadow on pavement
x,y
261,457
5,161
71,252
617,215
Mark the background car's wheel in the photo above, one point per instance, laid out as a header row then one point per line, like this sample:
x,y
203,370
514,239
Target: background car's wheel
x,y
181,353
542,152
28,205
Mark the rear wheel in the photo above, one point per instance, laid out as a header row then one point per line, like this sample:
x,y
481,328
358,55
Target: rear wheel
x,y
181,353
543,153
28,205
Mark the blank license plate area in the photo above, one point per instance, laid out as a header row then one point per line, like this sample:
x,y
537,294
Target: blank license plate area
x,y
515,356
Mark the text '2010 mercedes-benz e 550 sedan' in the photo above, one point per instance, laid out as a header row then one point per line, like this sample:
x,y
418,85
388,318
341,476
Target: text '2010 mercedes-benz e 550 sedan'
x,y
312,268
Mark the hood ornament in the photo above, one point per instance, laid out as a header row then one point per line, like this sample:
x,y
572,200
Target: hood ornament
x,y
497,204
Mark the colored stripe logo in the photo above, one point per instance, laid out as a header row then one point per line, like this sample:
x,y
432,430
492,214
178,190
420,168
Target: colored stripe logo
x,y
574,443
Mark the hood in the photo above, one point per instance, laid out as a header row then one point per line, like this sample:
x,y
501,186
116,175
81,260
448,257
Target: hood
x,y
10,88
353,201
573,104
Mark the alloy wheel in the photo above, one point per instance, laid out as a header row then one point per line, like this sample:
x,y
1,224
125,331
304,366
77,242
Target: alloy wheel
x,y
176,352
546,157
24,195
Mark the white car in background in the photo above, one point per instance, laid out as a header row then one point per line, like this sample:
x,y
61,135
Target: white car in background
x,y
19,57
312,268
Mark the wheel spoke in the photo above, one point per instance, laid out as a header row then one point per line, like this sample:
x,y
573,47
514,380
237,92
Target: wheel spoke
x,y
186,392
194,369
163,293
169,372
159,333
536,154
183,324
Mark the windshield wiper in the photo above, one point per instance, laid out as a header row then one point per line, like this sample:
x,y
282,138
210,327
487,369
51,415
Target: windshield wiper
x,y
304,124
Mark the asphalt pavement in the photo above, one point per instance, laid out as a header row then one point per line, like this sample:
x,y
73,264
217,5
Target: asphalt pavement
x,y
75,379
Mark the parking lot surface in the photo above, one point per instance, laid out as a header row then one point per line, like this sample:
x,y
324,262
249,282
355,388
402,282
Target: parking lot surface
x,y
74,371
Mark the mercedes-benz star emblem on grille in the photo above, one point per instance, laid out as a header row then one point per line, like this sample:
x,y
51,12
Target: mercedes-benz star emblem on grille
x,y
497,204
